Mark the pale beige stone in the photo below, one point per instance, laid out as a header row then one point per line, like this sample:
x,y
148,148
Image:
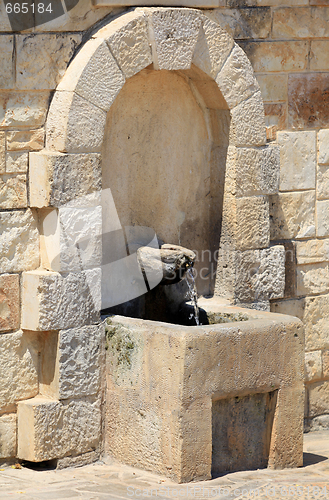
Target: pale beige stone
x,y
276,56
323,145
274,88
204,4
7,70
128,39
319,55
305,22
313,366
41,60
19,241
316,321
58,179
16,163
94,75
18,367
322,222
51,301
319,399
175,33
13,193
325,363
18,109
253,225
248,122
9,302
2,152
71,427
292,307
212,48
236,79
310,251
67,110
319,423
312,278
297,160
322,182
8,435
29,140
292,215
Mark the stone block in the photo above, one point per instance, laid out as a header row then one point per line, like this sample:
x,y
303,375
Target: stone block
x,y
319,60
292,215
245,23
297,160
273,87
300,22
275,119
311,251
316,321
248,122
19,109
8,435
29,140
7,71
51,429
319,399
18,367
2,152
131,53
271,56
253,226
71,362
42,59
58,179
212,48
9,302
71,239
175,33
66,110
322,182
322,421
53,301
13,193
16,162
236,79
4,20
292,307
322,222
94,75
325,363
19,241
313,366
308,106
312,278
323,146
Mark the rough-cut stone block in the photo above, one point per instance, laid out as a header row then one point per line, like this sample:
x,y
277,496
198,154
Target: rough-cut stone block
x,y
18,367
277,56
312,278
325,363
292,307
292,215
41,60
275,119
29,140
19,241
51,301
308,106
245,23
16,162
71,362
322,222
321,422
128,39
2,152
13,192
318,399
316,321
212,48
299,22
66,110
297,160
319,60
175,33
313,366
94,75
323,145
322,182
236,79
71,239
9,302
253,225
8,435
51,429
248,122
7,69
273,87
19,109
311,251
58,179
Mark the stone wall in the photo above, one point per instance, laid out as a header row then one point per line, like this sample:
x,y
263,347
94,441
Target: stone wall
x,y
287,46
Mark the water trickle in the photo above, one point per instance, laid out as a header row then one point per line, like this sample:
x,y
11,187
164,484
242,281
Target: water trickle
x,y
192,294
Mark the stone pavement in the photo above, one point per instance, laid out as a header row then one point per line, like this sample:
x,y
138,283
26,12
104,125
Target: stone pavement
x,y
113,481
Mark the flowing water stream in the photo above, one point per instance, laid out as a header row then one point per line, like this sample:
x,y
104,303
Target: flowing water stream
x,y
192,293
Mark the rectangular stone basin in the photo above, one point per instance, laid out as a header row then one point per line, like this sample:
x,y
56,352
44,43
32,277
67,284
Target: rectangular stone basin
x,y
190,402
